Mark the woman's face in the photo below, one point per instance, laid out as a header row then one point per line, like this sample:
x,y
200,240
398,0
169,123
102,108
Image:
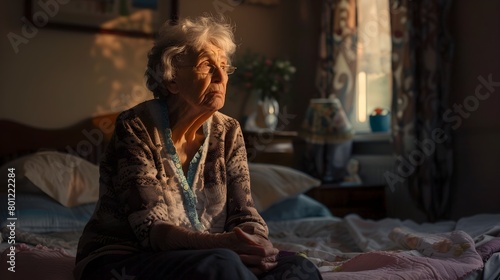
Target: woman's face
x,y
202,91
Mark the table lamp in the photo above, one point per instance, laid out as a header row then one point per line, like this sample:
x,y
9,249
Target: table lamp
x,y
328,135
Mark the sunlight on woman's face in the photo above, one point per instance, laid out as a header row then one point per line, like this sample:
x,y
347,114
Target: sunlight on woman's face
x,y
201,90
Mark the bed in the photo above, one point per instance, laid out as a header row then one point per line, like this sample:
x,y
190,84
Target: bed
x,y
52,184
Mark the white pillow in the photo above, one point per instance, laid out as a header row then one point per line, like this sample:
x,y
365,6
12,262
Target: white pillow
x,y
273,183
66,178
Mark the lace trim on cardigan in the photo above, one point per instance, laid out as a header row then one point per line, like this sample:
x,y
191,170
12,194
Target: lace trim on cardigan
x,y
188,194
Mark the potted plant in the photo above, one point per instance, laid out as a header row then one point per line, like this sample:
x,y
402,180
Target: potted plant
x,y
268,78
380,120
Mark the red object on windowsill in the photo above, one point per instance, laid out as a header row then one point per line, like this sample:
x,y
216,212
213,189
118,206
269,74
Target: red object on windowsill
x,y
380,111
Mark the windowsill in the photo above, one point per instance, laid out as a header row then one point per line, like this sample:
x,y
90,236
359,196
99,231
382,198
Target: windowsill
x,y
372,143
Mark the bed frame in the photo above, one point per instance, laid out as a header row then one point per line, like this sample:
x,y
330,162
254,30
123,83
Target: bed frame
x,y
86,139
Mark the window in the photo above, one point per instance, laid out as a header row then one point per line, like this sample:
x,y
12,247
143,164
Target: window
x,y
374,75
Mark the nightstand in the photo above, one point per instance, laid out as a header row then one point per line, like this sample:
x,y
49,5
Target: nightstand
x,y
368,201
274,147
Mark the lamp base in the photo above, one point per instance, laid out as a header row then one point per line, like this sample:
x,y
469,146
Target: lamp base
x,y
329,161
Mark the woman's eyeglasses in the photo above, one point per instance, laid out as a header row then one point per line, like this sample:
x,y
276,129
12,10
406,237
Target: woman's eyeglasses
x,y
208,68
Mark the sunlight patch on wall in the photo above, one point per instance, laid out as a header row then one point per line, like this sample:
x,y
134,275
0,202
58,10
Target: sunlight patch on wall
x,y
143,20
119,64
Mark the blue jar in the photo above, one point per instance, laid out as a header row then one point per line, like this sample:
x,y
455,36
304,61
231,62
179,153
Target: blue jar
x,y
380,123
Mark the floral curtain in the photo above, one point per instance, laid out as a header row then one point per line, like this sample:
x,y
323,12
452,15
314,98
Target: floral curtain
x,y
422,52
337,62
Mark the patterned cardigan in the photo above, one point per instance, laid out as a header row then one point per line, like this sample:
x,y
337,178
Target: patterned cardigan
x,y
140,184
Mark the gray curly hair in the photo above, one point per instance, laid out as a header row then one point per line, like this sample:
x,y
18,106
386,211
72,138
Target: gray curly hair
x,y
176,39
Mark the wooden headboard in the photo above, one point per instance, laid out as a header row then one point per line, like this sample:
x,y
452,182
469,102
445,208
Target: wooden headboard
x,y
87,138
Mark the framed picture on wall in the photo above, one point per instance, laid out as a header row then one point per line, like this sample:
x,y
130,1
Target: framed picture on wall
x,y
139,18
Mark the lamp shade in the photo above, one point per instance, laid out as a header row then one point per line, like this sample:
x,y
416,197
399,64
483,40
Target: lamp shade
x,y
326,122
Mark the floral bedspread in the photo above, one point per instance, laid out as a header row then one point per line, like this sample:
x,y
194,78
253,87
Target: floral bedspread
x,y
355,248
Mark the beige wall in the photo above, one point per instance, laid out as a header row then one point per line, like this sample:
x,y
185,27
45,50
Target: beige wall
x,y
60,77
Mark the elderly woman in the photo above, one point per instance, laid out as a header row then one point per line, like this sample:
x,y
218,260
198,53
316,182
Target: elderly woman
x,y
175,199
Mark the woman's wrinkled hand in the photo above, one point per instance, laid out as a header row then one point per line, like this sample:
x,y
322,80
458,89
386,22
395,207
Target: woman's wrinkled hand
x,y
255,251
